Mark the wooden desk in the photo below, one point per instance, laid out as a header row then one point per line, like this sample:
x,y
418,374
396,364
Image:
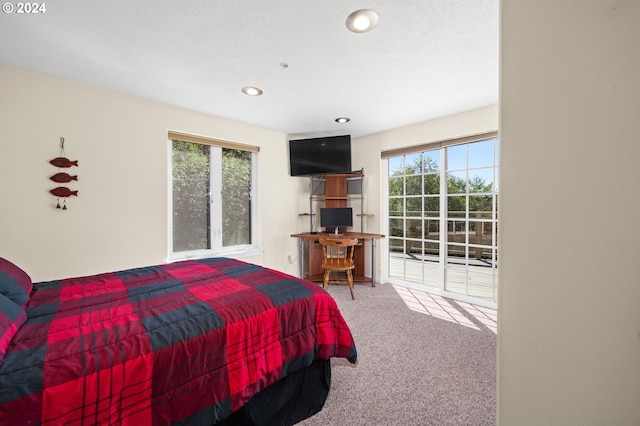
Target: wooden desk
x,y
310,255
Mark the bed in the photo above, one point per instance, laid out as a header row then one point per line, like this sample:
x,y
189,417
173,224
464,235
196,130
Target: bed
x,y
197,342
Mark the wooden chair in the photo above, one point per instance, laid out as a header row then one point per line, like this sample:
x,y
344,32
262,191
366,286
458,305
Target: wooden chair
x,y
337,256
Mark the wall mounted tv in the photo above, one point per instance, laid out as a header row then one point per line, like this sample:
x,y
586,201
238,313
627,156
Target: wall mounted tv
x,y
315,156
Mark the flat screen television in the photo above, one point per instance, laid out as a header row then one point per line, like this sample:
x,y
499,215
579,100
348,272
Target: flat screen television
x,y
315,156
336,217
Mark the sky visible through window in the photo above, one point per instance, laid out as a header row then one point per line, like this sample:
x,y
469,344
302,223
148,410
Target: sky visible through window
x,y
480,157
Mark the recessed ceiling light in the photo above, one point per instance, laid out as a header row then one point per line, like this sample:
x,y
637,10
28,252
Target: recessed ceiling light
x,y
342,120
362,21
251,91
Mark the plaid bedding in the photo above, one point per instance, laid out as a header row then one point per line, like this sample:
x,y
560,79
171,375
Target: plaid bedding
x,y
164,344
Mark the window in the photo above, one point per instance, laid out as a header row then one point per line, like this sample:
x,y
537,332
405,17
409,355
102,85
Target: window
x,y
212,197
443,219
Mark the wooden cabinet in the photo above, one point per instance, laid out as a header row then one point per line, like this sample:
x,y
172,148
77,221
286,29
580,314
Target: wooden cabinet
x,y
311,255
334,190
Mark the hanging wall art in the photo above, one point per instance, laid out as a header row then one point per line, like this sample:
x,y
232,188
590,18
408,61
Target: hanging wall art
x,y
62,191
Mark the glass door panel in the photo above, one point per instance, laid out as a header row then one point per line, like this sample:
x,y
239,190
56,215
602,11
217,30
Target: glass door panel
x,y
456,206
432,207
414,228
456,279
414,207
431,264
481,233
414,258
443,219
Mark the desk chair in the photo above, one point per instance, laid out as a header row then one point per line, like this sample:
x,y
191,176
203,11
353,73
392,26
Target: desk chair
x,y
337,255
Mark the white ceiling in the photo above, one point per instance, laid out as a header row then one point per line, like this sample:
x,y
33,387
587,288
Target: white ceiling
x,y
426,58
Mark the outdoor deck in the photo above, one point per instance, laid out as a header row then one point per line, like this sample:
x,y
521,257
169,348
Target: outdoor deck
x,y
477,281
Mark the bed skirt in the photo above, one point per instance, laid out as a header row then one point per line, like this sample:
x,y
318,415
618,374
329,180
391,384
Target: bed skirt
x,y
290,400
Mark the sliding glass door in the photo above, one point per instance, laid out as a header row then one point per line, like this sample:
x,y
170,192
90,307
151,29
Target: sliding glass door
x,y
443,219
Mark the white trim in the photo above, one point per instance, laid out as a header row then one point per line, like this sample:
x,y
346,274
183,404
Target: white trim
x,y
215,198
169,197
203,254
443,219
216,250
253,199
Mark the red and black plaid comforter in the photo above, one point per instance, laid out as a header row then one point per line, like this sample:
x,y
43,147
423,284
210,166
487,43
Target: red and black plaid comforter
x,y
164,344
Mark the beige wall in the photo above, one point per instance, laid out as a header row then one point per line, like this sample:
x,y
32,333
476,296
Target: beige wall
x,y
569,306
119,218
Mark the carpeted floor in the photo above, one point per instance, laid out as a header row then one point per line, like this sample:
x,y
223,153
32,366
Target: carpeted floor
x,y
431,364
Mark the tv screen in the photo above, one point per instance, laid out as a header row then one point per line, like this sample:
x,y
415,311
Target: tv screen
x,y
315,156
331,217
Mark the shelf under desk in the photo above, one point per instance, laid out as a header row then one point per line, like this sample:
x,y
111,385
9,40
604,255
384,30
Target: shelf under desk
x,y
310,255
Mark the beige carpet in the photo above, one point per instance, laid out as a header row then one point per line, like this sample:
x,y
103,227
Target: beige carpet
x,y
423,361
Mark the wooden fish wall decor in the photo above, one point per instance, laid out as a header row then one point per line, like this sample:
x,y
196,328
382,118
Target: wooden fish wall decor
x,y
63,162
63,191
62,177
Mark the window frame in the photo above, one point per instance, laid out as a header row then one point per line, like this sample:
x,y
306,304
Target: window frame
x,y
438,281
216,250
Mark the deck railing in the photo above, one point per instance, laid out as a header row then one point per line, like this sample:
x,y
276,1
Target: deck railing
x,y
481,237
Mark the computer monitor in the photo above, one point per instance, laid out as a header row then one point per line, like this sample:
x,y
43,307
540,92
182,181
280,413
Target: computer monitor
x,y
336,217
